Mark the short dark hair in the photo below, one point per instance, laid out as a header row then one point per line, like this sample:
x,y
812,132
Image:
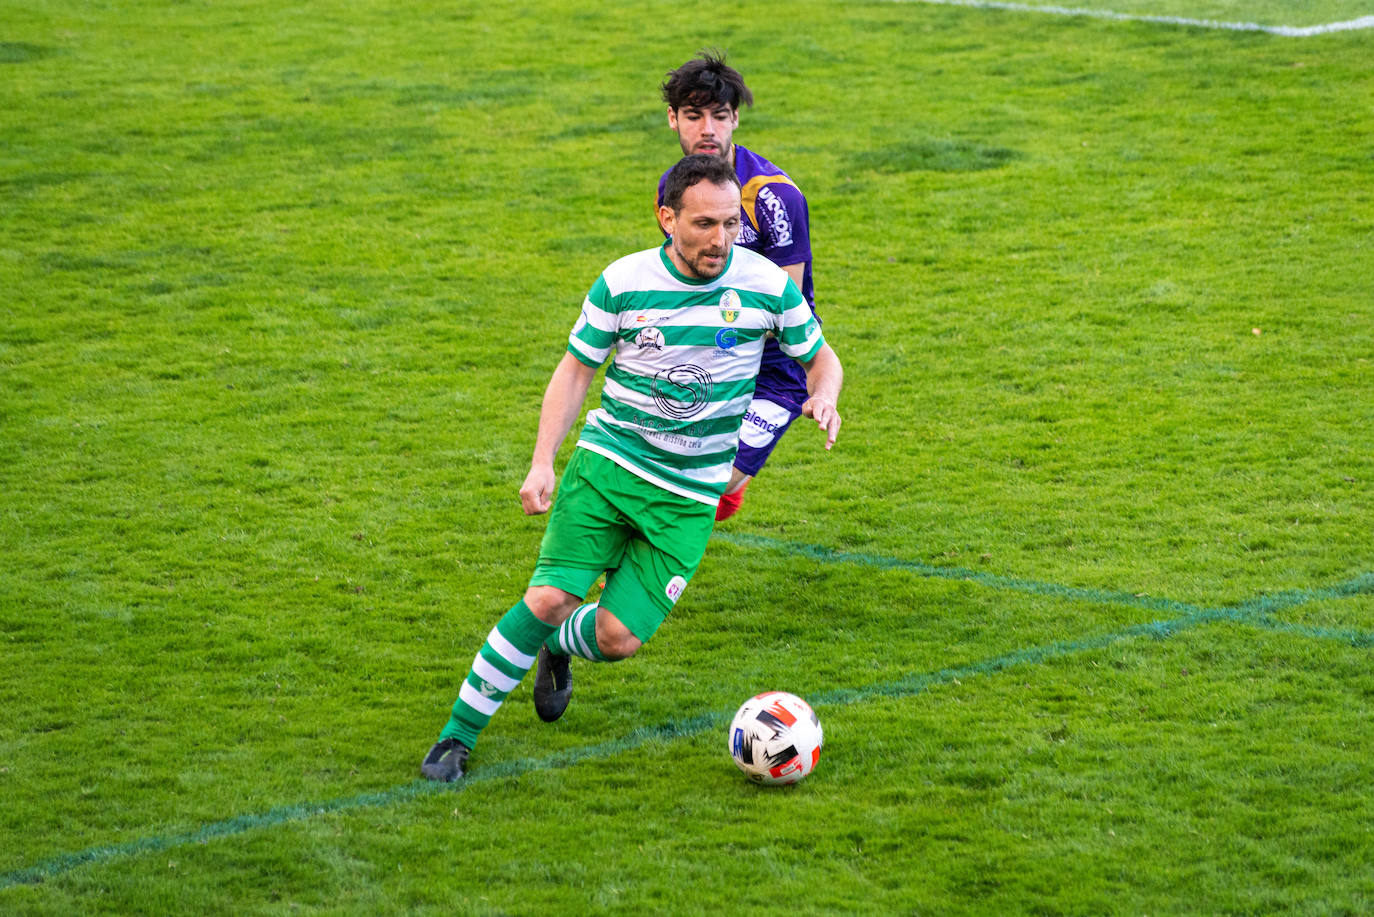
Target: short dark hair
x,y
704,82
693,169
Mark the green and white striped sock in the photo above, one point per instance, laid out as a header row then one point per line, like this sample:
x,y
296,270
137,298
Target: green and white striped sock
x,y
577,635
505,657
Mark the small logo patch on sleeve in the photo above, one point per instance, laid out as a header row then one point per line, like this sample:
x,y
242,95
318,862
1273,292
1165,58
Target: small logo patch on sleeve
x,y
674,589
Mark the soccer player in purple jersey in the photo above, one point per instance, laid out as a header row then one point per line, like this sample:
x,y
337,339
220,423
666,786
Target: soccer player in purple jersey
x,y
704,97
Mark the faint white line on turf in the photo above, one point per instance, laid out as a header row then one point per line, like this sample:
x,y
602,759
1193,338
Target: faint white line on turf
x,y
1287,31
1254,612
905,686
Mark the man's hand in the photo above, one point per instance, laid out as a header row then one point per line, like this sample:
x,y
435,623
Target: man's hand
x,y
824,376
562,403
823,411
537,491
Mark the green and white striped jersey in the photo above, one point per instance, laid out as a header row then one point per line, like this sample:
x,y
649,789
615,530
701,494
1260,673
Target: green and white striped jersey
x,y
684,354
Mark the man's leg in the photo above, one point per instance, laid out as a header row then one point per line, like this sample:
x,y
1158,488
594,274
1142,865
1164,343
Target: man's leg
x,y
629,613
764,424
664,537
577,635
591,632
734,494
506,655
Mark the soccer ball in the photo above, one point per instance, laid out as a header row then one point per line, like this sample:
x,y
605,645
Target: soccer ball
x,y
775,738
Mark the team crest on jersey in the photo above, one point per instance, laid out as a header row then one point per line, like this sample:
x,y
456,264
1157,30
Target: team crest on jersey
x,y
649,339
729,306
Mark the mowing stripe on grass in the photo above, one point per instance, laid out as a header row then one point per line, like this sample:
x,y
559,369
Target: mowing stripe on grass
x,y
1251,608
1357,638
1253,612
1287,31
282,815
960,574
1268,604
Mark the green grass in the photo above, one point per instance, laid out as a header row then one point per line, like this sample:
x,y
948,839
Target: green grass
x,y
282,289
1269,13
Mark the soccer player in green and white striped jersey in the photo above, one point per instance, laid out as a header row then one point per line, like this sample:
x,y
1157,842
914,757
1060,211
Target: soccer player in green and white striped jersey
x,y
684,327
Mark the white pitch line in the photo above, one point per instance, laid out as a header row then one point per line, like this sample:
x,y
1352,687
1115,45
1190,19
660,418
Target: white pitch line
x,y
1288,31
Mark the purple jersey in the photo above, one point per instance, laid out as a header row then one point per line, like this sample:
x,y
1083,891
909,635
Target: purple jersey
x,y
775,223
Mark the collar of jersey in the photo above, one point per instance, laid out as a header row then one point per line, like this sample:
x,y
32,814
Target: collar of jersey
x,y
694,281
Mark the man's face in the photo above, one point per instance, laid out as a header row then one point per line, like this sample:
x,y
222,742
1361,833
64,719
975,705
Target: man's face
x,y
704,230
705,130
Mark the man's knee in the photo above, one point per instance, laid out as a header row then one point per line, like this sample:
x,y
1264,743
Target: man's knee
x,y
613,638
551,604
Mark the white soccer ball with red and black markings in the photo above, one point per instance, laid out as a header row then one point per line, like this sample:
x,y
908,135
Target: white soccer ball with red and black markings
x,y
775,738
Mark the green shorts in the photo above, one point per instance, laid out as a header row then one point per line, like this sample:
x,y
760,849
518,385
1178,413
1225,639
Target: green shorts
x,y
647,540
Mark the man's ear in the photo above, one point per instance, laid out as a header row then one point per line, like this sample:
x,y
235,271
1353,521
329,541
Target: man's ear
x,y
666,219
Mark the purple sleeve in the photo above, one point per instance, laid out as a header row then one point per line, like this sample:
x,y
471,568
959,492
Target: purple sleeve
x,y
784,224
658,199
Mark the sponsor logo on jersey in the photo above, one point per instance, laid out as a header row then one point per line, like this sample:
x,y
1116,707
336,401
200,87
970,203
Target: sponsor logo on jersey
x,y
655,426
729,306
777,213
682,392
674,589
726,338
650,339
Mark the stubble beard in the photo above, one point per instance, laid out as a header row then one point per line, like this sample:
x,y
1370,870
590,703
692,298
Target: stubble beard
x,y
696,265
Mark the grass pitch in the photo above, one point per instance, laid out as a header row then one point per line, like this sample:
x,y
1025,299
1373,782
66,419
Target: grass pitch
x,y
1082,596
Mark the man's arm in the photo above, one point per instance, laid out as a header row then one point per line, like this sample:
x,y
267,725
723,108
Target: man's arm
x,y
562,403
778,211
824,378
